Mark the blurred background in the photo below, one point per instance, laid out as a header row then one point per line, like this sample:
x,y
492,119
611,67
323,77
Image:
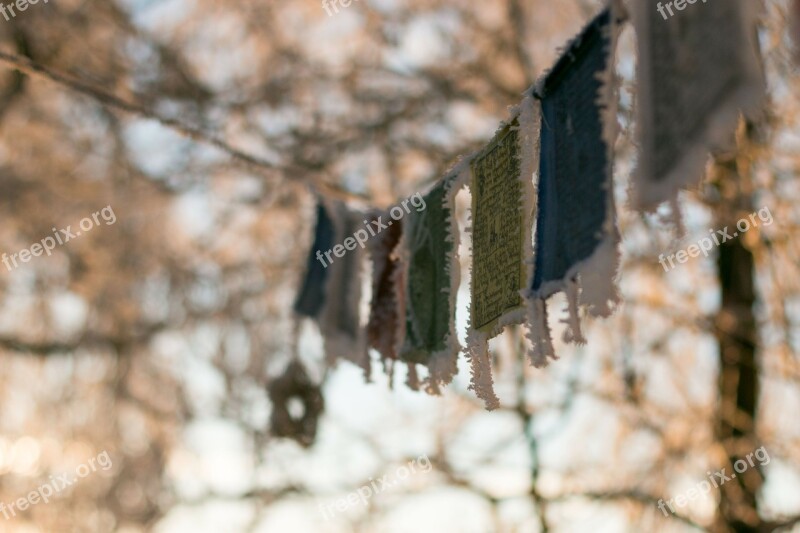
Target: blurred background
x,y
153,338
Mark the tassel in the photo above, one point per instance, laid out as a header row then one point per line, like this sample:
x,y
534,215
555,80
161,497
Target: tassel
x,y
431,386
542,350
573,333
676,218
413,377
389,367
481,368
441,371
366,365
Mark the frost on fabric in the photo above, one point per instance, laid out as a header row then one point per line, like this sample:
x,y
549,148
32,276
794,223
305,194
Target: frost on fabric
x,y
503,200
431,276
680,123
580,264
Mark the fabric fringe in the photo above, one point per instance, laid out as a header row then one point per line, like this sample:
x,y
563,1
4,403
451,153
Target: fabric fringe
x,y
539,335
413,378
388,368
481,382
573,333
596,278
676,218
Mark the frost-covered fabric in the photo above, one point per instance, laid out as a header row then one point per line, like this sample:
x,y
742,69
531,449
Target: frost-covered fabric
x,y
697,70
311,298
498,269
385,324
428,280
502,210
431,281
576,235
340,320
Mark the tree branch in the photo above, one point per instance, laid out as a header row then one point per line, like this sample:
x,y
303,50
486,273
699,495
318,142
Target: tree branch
x,y
249,161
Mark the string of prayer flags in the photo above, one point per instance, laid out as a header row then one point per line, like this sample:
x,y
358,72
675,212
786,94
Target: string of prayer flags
x,y
576,235
311,298
502,211
430,246
386,318
340,319
697,70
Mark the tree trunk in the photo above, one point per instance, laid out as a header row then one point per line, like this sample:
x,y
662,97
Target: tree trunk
x,y
736,333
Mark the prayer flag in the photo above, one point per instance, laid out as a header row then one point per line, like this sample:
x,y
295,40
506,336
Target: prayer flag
x,y
431,240
502,209
698,68
311,298
576,235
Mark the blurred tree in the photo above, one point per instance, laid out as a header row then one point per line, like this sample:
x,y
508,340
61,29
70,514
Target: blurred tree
x,y
203,124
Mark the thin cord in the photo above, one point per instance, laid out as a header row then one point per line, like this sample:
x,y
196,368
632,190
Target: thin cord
x,y
250,161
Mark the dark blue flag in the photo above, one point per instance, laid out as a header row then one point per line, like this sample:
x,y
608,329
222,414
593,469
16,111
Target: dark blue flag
x,y
311,297
575,246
